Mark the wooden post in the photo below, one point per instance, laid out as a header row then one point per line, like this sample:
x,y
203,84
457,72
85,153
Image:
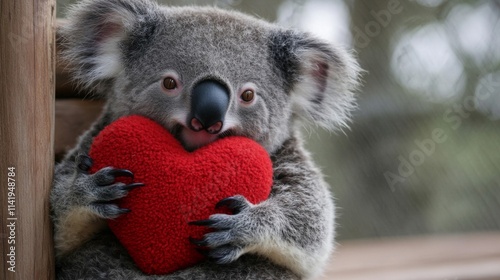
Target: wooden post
x,y
27,73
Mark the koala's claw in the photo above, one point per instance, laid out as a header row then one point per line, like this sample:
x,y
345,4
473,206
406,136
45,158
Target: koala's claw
x,y
132,186
232,232
203,252
84,162
224,254
236,203
99,190
198,242
207,223
221,255
108,175
121,173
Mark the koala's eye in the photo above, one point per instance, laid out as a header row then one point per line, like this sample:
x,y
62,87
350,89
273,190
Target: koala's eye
x,y
169,83
247,95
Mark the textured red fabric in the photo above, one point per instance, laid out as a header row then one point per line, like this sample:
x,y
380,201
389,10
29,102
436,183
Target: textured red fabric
x,y
180,186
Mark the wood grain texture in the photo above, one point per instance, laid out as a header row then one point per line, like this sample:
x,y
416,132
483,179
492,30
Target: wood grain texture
x,y
467,256
27,82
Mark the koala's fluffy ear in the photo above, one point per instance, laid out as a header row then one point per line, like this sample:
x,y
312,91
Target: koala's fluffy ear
x,y
101,34
321,79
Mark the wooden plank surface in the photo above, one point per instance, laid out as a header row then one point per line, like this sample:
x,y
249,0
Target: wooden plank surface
x,y
467,256
27,67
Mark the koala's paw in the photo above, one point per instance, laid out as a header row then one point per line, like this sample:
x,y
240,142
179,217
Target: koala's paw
x,y
97,191
233,233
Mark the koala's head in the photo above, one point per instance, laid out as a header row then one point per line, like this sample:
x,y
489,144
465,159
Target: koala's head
x,y
205,73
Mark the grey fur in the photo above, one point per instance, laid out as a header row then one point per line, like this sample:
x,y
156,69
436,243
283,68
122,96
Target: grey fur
x,y
129,46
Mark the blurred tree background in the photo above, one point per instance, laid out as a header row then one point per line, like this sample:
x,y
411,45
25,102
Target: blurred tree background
x,y
422,155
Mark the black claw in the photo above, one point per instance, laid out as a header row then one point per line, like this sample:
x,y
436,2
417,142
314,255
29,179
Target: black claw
x,y
132,186
202,223
198,242
122,173
215,259
207,254
204,252
84,162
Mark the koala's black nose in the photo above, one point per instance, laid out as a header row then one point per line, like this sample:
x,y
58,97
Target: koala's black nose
x,y
209,102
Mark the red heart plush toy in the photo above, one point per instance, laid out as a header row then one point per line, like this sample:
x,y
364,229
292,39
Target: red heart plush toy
x,y
180,186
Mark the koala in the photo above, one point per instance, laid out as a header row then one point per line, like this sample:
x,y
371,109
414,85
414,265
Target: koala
x,y
203,74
